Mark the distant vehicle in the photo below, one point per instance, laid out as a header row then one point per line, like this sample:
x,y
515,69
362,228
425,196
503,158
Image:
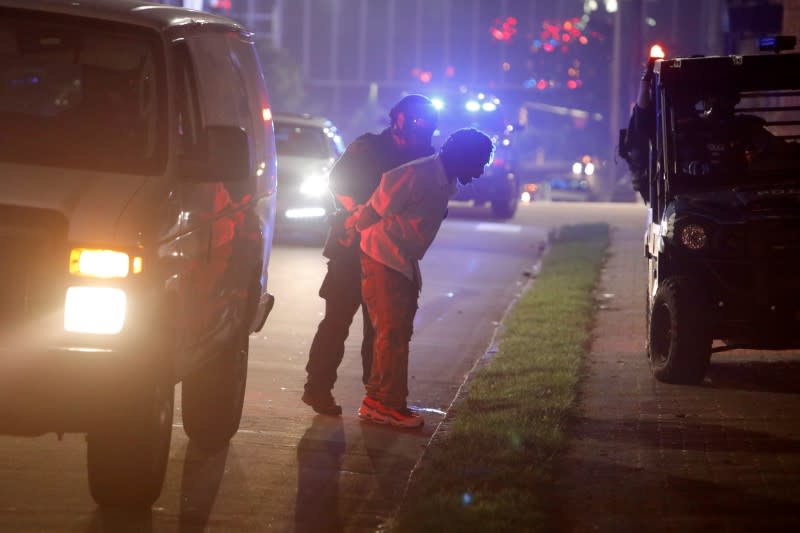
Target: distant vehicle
x,y
569,189
720,168
499,186
137,200
307,146
576,184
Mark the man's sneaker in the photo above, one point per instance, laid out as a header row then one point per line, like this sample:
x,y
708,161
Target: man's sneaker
x,y
368,410
322,402
375,411
402,418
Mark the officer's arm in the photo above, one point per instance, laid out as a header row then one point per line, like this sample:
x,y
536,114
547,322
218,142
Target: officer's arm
x,y
390,198
348,171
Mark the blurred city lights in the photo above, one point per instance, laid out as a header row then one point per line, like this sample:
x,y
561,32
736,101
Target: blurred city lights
x,y
504,30
489,106
438,103
472,106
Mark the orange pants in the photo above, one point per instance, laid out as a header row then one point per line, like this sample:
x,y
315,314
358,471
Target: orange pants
x,y
391,299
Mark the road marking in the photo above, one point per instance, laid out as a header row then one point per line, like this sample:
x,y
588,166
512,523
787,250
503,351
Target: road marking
x,y
499,228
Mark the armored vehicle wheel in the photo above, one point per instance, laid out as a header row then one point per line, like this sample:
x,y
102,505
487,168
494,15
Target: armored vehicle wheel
x,y
678,343
127,459
213,396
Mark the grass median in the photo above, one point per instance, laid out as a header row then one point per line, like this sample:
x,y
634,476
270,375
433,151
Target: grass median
x,y
491,464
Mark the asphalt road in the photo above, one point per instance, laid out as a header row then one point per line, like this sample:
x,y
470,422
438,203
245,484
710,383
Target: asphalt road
x,y
288,469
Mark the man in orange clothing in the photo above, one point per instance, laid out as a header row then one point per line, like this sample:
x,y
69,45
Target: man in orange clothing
x,y
397,225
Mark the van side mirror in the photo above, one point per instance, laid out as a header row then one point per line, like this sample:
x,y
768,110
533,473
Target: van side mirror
x,y
226,157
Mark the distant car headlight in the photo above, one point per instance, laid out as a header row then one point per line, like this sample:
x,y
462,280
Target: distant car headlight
x,y
99,310
694,236
102,263
316,185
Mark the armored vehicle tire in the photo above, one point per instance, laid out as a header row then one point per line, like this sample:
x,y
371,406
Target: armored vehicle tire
x,y
678,343
504,207
127,460
213,396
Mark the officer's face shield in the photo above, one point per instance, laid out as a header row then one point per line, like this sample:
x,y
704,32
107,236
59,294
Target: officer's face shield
x,y
416,125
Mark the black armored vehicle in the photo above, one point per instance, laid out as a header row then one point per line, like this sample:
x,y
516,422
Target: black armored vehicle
x,y
714,151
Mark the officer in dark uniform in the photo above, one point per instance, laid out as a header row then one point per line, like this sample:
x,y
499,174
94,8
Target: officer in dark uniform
x,y
635,147
353,178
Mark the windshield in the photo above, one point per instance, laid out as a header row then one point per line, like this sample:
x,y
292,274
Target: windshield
x,y
76,93
737,138
302,141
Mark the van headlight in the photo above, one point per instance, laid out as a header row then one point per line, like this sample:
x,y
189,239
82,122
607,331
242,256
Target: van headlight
x,y
97,263
98,310
315,185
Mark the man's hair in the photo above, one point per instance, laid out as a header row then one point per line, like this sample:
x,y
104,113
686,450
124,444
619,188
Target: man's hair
x,y
416,107
468,145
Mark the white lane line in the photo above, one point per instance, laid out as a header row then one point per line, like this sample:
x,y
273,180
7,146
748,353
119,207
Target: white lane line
x,y
498,228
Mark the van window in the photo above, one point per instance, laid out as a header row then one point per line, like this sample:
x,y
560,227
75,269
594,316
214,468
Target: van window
x,y
247,65
231,90
80,95
187,106
223,97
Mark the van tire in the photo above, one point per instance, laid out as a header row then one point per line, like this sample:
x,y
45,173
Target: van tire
x,y
127,458
212,397
679,341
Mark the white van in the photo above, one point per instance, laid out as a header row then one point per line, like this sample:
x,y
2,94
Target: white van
x,y
137,203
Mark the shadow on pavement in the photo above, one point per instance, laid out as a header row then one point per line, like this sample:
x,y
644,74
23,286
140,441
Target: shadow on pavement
x,y
628,502
765,376
118,521
202,476
319,461
680,433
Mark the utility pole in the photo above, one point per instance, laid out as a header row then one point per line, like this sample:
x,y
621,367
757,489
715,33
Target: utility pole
x,y
614,106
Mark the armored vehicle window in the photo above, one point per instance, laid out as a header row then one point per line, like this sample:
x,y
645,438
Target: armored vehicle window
x,y
81,94
735,138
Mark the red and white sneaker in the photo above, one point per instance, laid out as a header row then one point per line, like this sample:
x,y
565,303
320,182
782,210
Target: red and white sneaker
x,y
368,410
402,418
374,411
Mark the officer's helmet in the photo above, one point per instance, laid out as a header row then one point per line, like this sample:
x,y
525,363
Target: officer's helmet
x,y
414,116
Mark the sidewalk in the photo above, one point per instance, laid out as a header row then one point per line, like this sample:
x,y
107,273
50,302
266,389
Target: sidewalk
x,y
646,456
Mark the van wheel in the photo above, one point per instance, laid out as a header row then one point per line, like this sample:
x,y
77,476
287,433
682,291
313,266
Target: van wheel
x,y
679,341
212,397
127,459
